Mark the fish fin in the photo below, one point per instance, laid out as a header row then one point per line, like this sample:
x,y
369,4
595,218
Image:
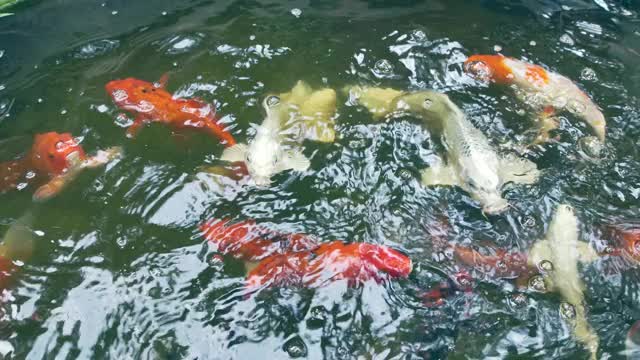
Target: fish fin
x,y
234,153
586,254
546,122
300,91
378,101
518,170
55,185
294,160
541,250
440,175
103,157
164,79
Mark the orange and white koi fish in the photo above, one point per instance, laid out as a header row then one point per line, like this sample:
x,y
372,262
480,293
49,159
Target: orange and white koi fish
x,y
55,159
546,91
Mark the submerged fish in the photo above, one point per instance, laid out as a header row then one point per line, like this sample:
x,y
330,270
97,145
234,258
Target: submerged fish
x,y
290,118
472,163
249,241
355,263
546,91
563,250
295,259
152,103
55,159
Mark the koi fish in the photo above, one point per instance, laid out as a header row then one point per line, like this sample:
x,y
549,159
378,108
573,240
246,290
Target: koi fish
x,y
472,163
632,342
628,243
502,264
299,260
562,250
17,244
55,159
290,118
152,103
330,262
545,91
249,241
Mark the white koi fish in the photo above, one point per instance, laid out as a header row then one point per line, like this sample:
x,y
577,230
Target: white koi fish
x,y
472,163
563,250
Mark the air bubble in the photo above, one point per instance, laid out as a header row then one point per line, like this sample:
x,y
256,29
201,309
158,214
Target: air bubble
x,y
272,101
383,68
567,311
21,186
497,48
114,12
545,265
427,103
591,147
588,74
536,283
566,39
295,347
30,175
296,12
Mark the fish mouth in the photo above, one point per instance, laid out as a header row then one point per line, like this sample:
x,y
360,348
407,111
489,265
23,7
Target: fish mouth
x,y
495,207
262,181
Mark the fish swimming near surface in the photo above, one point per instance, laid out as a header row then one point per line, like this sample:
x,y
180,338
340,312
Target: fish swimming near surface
x,y
276,145
54,159
355,263
547,92
472,163
293,259
17,244
563,251
152,103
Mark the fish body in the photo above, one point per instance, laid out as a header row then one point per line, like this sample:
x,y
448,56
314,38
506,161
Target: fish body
x,y
563,250
268,154
546,91
472,163
334,261
502,264
54,159
151,102
294,259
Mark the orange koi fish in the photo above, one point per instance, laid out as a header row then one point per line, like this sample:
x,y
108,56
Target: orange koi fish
x,y
356,263
249,241
503,264
626,242
546,91
55,159
299,260
151,102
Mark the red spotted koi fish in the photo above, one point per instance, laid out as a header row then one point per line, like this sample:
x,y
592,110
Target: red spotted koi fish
x,y
545,91
299,260
55,159
356,263
151,102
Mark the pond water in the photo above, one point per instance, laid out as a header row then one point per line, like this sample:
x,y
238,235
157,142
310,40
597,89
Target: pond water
x,y
119,268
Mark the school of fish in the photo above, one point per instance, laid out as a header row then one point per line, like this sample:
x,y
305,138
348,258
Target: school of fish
x,y
470,161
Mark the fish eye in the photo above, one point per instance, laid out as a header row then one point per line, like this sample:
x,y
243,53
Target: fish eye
x,y
144,91
51,156
153,89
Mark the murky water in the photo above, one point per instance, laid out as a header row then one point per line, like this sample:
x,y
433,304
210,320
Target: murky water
x,y
120,270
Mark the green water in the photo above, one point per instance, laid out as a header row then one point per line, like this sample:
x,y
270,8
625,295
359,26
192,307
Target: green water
x,y
119,269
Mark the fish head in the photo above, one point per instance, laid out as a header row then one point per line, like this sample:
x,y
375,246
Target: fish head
x,y
483,185
54,153
431,106
135,95
386,259
489,68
